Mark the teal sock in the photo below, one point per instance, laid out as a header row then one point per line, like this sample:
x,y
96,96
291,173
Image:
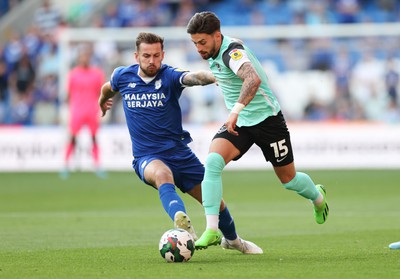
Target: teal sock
x,y
303,185
211,187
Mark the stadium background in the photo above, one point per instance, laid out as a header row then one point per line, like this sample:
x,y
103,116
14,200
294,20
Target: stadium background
x,y
334,66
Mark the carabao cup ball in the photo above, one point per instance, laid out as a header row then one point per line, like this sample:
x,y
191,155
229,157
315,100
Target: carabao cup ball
x,y
176,245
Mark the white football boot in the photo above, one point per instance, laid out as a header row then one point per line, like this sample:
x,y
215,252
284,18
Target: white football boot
x,y
244,246
182,221
395,245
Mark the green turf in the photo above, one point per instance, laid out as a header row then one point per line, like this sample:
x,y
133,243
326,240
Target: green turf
x,y
85,227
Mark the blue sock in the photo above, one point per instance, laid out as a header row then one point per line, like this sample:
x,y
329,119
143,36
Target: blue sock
x,y
227,225
170,199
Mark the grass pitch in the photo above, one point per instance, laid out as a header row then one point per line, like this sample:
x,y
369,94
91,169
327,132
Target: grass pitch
x,y
85,227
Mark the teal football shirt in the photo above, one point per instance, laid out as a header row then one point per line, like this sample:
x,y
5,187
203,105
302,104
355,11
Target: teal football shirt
x,y
231,56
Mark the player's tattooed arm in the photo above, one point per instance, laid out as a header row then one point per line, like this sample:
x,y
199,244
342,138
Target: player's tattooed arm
x,y
198,78
251,83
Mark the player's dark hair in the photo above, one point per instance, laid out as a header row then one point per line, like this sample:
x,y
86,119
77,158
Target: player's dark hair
x,y
149,38
204,22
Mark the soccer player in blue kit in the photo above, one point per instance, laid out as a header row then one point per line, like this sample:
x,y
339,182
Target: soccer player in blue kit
x,y
150,91
255,118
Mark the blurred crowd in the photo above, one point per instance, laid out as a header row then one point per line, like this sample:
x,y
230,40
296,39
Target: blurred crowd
x,y
7,5
365,70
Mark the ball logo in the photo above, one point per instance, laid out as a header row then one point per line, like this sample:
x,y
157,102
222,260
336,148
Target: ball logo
x,y
176,245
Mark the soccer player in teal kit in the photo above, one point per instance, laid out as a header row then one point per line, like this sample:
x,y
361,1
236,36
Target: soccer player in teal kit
x,y
255,118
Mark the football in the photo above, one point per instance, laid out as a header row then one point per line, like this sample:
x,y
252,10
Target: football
x,y
176,245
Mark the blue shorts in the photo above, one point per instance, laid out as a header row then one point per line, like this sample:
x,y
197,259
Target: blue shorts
x,y
186,168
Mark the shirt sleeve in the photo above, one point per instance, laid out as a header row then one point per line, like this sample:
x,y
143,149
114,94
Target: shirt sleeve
x,y
179,74
181,78
114,78
235,56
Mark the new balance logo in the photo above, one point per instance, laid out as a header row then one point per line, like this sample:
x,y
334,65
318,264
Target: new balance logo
x,y
132,85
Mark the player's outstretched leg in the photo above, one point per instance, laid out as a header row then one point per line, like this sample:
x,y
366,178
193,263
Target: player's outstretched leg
x,y
244,246
321,212
210,237
394,245
182,221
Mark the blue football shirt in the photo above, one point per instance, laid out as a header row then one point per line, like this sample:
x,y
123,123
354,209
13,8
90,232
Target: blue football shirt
x,y
152,110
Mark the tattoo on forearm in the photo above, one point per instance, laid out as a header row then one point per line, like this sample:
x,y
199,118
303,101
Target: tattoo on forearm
x,y
251,82
199,78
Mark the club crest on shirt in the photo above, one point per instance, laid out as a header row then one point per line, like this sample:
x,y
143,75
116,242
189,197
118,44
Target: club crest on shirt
x,y
218,67
157,84
235,54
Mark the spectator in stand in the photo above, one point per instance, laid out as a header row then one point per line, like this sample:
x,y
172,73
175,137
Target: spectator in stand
x,y
111,19
321,54
342,67
49,58
3,92
22,80
32,42
4,7
348,11
185,11
47,17
13,50
392,79
376,104
46,105
7,5
366,78
47,91
147,14
23,77
318,13
315,111
127,10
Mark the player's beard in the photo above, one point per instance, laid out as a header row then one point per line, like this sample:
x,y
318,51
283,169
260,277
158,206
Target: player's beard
x,y
150,71
208,54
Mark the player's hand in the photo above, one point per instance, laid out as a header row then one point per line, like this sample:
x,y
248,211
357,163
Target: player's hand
x,y
106,106
231,123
